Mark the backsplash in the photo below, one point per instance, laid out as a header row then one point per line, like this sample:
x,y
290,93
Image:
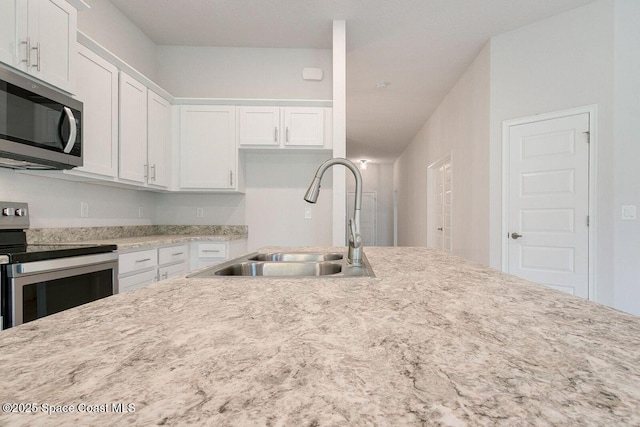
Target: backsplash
x,y
78,234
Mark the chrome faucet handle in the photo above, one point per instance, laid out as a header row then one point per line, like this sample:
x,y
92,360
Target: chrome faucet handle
x,y
354,237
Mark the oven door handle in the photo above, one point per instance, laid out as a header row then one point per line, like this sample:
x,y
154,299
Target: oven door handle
x,y
18,270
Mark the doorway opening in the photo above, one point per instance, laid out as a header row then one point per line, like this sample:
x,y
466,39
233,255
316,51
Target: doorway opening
x,y
439,200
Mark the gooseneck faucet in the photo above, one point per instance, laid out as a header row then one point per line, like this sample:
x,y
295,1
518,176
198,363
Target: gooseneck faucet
x,y
354,254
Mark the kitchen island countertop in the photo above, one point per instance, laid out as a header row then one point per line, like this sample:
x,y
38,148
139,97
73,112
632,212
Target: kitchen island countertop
x,y
431,340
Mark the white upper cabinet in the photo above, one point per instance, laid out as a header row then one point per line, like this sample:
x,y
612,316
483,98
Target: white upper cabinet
x,y
8,32
38,37
159,139
97,89
259,126
145,134
133,130
283,127
304,126
208,152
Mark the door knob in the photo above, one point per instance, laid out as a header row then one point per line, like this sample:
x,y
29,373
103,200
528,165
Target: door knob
x,y
440,228
516,235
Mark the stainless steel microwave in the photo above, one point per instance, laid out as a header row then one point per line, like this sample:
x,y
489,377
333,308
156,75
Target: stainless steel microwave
x,y
40,128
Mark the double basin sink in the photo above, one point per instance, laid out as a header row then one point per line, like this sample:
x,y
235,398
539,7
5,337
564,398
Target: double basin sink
x,y
287,264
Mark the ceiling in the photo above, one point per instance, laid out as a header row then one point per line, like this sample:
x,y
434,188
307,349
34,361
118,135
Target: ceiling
x,y
421,47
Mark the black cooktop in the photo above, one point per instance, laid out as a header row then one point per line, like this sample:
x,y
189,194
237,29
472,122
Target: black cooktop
x,y
40,252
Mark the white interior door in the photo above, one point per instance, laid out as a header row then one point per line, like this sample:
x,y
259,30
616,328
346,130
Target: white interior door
x,y
367,216
441,224
548,203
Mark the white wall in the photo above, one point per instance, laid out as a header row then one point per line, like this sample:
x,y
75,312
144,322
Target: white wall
x,y
378,178
275,187
272,206
218,209
257,73
104,23
626,174
56,202
559,63
460,127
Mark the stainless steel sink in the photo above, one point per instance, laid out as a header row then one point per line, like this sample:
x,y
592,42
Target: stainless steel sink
x,y
297,257
287,264
279,269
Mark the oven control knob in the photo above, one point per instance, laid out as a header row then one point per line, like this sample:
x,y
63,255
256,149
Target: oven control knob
x,y
21,212
8,211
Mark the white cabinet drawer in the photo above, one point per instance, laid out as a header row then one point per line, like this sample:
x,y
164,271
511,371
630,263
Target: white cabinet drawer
x,y
140,260
175,270
136,281
172,254
212,250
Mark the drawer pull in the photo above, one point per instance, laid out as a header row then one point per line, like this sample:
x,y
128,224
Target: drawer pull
x,y
177,253
215,251
143,260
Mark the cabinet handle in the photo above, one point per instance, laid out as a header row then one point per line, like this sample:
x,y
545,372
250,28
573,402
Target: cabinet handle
x,y
153,172
215,251
27,44
287,134
231,178
143,260
146,171
177,253
37,49
275,134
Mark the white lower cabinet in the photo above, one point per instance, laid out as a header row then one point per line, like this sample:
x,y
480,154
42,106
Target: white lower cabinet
x,y
173,261
136,281
141,267
205,253
137,269
171,271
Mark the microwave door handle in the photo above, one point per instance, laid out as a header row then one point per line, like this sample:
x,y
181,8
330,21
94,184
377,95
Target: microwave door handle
x,y
72,130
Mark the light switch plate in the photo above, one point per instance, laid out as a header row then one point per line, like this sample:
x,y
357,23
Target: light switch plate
x,y
628,212
200,212
307,212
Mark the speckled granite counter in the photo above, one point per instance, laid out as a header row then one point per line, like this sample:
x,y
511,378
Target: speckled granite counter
x,y
130,237
432,340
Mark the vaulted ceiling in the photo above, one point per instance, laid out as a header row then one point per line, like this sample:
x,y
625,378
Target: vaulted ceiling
x,y
421,47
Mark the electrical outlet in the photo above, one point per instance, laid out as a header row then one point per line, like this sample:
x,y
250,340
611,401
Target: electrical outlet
x,y
84,210
140,211
628,212
200,212
307,212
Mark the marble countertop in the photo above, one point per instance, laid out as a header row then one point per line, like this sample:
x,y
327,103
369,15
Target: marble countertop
x,y
126,243
431,340
131,237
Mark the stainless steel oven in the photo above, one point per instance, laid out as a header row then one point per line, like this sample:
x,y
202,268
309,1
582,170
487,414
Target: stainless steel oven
x,y
37,280
40,128
38,289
